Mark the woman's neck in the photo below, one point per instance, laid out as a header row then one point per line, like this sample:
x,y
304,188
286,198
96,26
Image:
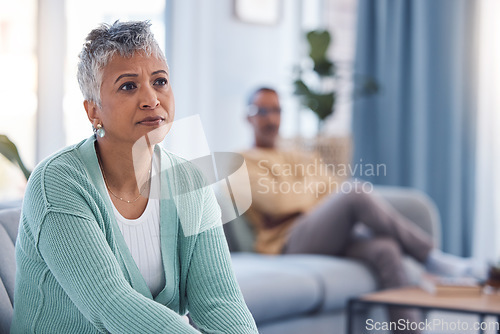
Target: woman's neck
x,y
124,169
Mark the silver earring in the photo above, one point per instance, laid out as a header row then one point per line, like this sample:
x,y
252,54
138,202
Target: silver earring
x,y
100,130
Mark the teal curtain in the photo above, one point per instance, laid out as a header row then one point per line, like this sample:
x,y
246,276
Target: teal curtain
x,y
421,125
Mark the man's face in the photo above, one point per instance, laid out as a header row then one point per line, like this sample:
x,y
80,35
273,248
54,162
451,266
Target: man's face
x,y
265,118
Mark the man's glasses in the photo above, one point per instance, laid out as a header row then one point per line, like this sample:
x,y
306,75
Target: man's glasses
x,y
253,110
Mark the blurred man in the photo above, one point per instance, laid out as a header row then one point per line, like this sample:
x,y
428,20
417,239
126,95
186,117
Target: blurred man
x,y
298,206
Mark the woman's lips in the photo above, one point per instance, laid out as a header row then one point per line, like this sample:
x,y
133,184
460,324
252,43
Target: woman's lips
x,y
152,121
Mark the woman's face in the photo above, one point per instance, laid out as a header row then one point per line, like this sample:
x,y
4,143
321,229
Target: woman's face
x,y
136,98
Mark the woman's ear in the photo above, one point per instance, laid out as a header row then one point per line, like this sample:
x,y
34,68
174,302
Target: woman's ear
x,y
91,109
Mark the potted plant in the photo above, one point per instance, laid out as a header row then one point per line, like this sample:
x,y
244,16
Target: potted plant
x,y
320,96
320,92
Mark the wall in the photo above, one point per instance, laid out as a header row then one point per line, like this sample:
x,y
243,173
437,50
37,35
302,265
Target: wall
x,y
216,59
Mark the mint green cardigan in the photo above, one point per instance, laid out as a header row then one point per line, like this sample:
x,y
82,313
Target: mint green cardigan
x,y
75,273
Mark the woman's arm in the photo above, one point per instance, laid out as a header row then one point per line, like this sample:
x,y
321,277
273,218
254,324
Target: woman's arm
x,y
216,304
215,300
81,260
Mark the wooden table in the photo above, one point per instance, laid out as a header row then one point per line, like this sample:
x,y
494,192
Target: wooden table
x,y
413,297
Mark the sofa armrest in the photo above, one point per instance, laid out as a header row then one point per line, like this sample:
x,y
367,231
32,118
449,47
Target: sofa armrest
x,y
16,203
416,206
240,235
9,219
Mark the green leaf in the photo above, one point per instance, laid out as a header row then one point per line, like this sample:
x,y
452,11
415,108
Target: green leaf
x,y
321,104
319,41
9,150
300,87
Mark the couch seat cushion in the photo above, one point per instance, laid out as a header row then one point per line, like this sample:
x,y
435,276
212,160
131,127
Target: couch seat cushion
x,y
340,278
287,285
274,288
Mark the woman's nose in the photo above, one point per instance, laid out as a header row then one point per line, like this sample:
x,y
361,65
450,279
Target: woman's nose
x,y
149,99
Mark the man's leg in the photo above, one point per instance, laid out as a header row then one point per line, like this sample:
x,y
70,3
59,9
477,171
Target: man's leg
x,y
327,229
384,256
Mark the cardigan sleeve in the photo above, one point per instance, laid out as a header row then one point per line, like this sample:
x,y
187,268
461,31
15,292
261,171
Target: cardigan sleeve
x,y
77,254
216,303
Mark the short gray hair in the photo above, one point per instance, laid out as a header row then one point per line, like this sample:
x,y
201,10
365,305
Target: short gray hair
x,y
103,43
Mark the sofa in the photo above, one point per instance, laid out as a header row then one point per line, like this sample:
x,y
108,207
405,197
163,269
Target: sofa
x,y
285,293
9,219
309,293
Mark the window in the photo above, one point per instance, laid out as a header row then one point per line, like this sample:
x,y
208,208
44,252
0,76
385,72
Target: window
x,y
82,17
19,72
18,84
340,18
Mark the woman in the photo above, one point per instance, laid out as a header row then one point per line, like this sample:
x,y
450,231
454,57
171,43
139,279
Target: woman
x,y
116,234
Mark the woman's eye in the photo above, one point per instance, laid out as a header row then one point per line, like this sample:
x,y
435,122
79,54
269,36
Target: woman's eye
x,y
161,81
128,86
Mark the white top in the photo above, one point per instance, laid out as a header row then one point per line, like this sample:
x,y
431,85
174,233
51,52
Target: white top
x,y
142,236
